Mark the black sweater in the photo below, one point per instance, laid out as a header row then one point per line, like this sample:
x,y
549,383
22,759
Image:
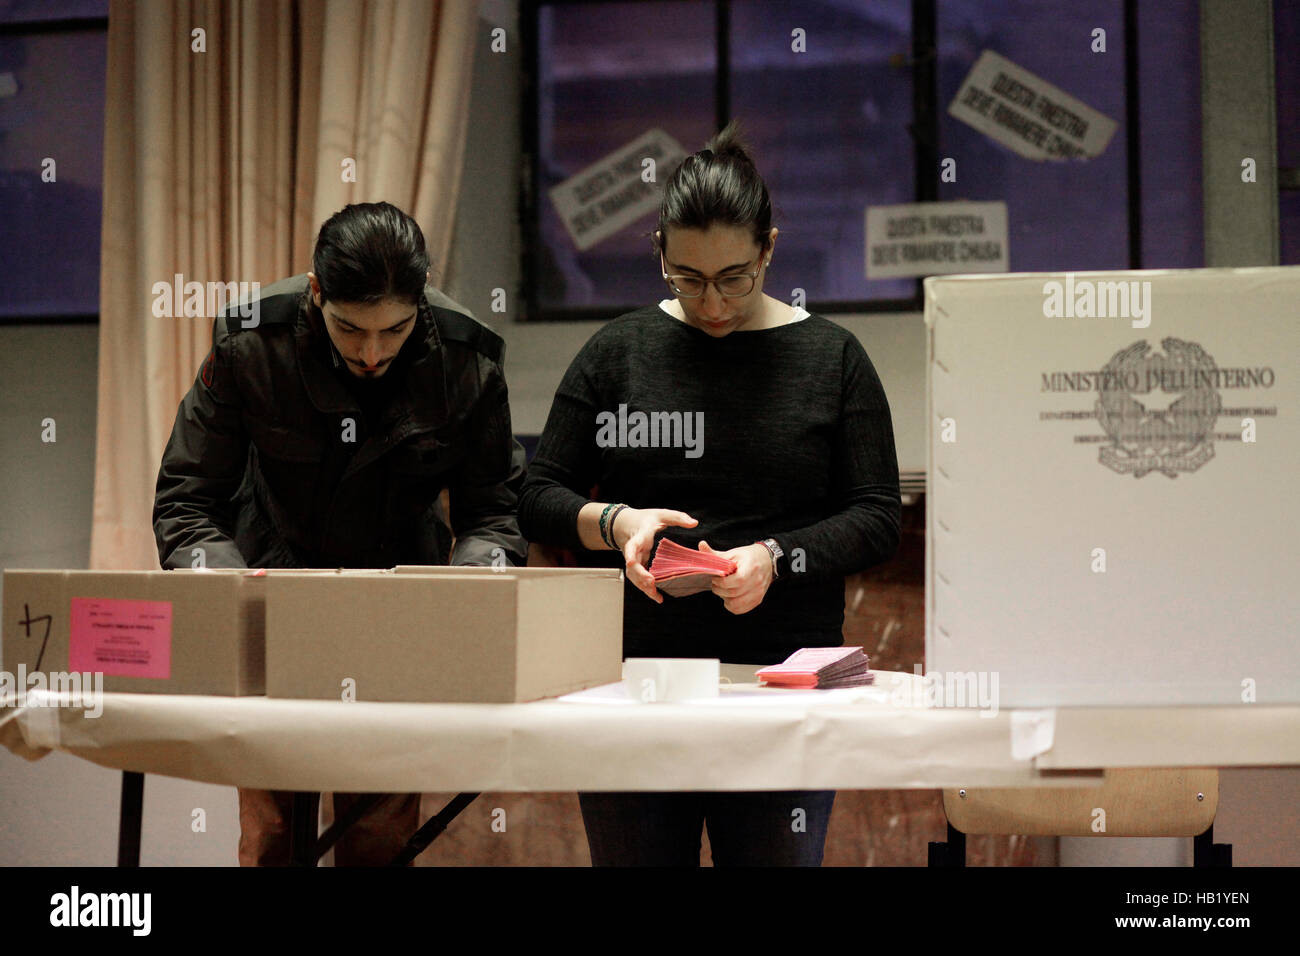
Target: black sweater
x,y
797,445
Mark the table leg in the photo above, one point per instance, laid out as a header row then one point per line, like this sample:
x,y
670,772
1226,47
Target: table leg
x,y
334,833
303,823
430,831
952,853
1205,852
129,819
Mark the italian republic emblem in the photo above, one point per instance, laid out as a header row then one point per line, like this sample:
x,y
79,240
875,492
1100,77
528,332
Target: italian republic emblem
x,y
1178,438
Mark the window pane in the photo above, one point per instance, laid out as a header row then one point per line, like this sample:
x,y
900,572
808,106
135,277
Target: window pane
x,y
828,127
51,108
1286,43
33,11
608,73
1069,215
1169,66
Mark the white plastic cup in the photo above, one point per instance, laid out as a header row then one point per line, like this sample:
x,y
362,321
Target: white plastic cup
x,y
651,680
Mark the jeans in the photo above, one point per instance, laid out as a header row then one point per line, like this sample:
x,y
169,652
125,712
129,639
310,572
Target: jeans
x,y
745,828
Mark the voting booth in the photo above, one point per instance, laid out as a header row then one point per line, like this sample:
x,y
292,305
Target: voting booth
x,y
1112,517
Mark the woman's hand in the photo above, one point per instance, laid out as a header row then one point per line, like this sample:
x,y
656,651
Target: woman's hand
x,y
634,532
744,589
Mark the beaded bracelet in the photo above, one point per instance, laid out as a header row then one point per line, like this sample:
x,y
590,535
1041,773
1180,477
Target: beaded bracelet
x,y
604,515
607,527
612,518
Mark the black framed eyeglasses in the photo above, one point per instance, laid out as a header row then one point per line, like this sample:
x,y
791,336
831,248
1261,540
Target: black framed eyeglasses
x,y
729,287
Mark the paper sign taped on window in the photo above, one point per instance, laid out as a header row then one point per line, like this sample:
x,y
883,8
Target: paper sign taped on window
x,y
936,238
618,189
121,638
1027,114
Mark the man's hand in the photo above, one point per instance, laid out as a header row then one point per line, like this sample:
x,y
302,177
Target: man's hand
x,y
634,533
744,589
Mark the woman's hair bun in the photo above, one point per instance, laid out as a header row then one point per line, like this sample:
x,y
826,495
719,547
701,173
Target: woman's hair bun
x,y
718,184
727,142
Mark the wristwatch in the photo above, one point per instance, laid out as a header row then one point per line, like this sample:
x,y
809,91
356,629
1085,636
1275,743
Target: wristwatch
x,y
777,554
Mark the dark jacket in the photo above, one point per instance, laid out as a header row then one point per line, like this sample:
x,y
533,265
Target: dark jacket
x,y
258,473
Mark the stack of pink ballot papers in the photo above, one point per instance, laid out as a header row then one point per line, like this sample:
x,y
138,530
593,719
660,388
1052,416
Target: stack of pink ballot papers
x,y
821,667
679,571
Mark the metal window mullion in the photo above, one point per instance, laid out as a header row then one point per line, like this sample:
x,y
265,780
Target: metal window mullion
x,y
1133,134
722,64
925,109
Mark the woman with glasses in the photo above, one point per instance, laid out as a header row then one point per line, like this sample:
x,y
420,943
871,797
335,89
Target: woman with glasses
x,y
789,471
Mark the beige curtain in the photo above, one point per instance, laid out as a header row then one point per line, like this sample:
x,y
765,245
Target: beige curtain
x,y
232,131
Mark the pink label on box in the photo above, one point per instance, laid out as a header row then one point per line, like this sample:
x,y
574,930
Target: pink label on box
x,y
121,638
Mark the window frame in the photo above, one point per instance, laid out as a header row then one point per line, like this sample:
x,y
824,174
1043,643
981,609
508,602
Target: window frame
x,y
28,28
924,130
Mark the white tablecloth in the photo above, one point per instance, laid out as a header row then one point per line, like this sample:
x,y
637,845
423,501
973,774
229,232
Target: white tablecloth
x,y
747,739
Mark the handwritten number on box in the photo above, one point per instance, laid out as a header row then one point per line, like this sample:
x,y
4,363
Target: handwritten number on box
x,y
27,623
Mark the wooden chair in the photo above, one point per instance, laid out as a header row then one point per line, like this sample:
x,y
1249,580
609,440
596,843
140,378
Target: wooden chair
x,y
1134,803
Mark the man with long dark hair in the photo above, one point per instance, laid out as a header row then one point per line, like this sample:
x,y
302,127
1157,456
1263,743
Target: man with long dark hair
x,y
322,434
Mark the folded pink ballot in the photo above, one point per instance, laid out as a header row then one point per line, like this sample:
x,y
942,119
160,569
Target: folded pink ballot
x,y
679,571
820,667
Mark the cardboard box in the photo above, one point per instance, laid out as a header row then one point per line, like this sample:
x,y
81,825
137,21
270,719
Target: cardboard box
x,y
526,572
1111,515
160,632
444,634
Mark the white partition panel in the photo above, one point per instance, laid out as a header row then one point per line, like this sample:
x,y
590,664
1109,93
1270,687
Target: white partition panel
x,y
1114,485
